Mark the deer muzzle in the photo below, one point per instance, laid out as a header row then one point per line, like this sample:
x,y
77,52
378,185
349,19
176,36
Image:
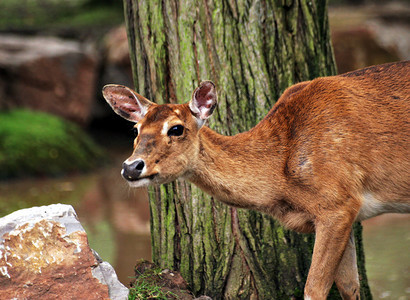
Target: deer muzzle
x,y
132,171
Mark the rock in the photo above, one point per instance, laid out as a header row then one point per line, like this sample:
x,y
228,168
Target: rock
x,y
115,68
105,273
44,254
358,48
117,63
370,34
116,47
47,74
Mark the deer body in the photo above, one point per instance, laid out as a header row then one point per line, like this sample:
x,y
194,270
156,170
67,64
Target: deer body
x,y
331,151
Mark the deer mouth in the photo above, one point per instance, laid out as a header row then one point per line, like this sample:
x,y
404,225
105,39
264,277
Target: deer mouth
x,y
143,181
150,177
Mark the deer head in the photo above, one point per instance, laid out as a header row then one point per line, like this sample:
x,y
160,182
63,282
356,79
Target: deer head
x,y
166,136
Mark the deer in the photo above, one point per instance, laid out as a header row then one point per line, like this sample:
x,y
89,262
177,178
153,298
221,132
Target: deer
x,y
332,151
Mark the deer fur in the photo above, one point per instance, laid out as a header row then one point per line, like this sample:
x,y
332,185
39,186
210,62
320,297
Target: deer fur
x,y
332,151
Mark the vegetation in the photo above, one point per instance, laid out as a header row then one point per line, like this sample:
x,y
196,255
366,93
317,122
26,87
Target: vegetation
x,y
34,143
56,14
149,283
146,290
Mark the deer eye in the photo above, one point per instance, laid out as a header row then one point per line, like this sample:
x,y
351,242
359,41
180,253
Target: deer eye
x,y
135,131
176,130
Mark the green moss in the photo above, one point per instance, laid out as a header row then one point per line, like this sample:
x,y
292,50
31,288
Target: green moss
x,y
46,14
34,143
147,286
105,15
151,282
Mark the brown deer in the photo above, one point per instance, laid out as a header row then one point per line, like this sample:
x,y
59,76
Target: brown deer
x,y
332,151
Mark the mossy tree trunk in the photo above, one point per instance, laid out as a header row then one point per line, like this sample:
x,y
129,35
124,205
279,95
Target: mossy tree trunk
x,y
252,50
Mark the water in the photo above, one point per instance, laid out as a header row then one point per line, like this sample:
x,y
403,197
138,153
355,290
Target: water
x,y
386,241
116,219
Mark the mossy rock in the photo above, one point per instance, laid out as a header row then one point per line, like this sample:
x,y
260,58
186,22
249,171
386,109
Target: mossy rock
x,y
35,143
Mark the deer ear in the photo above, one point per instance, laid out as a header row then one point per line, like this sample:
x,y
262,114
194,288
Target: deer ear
x,y
125,102
203,101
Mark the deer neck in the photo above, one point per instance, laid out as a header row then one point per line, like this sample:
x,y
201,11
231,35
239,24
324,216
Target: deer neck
x,y
230,167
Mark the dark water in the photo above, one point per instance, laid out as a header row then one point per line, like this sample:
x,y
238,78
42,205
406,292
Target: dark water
x,y
116,219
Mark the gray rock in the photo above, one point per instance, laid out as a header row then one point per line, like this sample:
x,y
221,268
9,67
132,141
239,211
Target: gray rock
x,y
105,273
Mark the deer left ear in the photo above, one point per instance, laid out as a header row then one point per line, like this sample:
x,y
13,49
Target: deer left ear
x,y
203,101
125,102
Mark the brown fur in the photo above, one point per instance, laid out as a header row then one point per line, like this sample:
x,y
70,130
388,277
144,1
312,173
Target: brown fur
x,y
331,151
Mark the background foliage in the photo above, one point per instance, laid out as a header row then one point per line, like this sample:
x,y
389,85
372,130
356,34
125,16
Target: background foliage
x,y
34,143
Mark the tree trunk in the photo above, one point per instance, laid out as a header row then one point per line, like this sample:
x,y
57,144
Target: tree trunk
x,y
252,50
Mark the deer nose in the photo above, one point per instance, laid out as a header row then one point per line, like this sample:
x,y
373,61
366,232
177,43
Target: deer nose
x,y
132,170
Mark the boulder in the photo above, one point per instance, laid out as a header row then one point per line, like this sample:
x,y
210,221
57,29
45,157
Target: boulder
x,y
44,254
48,74
115,67
117,63
116,47
357,48
370,34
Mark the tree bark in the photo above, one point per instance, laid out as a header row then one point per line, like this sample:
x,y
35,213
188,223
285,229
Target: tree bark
x,y
252,50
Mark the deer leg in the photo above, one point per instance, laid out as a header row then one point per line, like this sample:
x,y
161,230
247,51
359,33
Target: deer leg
x,y
332,236
347,277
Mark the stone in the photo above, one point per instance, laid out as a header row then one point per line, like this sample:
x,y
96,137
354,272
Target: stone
x,y
48,74
357,48
115,68
117,63
44,254
370,34
116,46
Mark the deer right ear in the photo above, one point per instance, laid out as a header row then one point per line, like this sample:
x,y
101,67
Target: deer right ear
x,y
203,101
125,102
